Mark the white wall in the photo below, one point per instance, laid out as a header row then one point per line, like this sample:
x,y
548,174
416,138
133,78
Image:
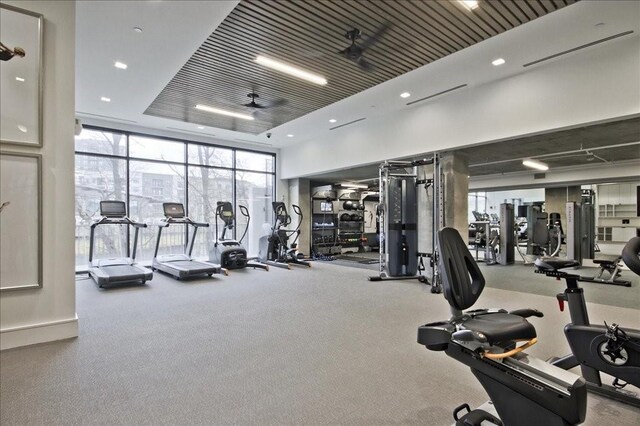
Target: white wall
x,y
49,313
596,84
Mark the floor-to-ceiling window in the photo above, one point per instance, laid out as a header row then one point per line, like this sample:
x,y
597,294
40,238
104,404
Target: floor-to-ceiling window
x,y
146,171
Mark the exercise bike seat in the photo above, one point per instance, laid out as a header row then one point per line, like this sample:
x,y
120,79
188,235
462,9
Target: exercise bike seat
x,y
552,264
500,327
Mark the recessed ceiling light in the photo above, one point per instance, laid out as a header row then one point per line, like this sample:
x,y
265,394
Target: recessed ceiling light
x,y
223,112
137,29
333,120
105,99
291,70
22,128
19,78
497,62
469,4
535,164
289,135
405,95
200,127
120,65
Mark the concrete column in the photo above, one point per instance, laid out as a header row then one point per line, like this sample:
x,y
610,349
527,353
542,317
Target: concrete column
x,y
455,172
300,195
556,199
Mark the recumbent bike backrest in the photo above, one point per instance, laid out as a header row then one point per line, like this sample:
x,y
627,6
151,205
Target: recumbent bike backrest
x,y
462,280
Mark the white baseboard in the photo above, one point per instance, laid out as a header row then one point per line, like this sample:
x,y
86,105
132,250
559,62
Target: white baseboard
x,y
38,333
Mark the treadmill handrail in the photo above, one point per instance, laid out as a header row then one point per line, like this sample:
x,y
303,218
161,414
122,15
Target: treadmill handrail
x,y
125,220
176,221
183,220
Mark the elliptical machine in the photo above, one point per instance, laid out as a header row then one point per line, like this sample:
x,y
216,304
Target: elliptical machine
x,y
523,389
230,253
606,348
273,248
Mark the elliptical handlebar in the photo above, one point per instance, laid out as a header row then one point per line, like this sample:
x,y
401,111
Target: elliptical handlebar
x,y
245,212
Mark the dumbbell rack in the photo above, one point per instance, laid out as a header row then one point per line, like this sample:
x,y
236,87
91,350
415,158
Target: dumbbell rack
x,y
324,232
350,231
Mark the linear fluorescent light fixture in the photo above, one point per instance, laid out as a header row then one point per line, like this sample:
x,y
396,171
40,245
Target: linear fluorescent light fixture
x,y
469,4
354,185
535,164
223,112
291,70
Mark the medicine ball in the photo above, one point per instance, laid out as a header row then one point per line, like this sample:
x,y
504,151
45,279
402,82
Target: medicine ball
x,y
345,216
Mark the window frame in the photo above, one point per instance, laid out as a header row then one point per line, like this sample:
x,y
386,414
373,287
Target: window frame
x,y
128,158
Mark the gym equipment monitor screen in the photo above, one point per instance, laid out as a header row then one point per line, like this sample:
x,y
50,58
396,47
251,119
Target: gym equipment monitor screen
x,y
326,206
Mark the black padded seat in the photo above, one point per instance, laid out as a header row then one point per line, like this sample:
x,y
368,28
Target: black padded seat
x,y
551,264
606,259
500,327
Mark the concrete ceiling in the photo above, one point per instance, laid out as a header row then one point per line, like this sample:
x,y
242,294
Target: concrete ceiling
x,y
588,146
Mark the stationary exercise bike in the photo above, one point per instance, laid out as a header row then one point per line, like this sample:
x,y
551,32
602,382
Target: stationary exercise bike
x,y
607,348
227,252
275,249
524,390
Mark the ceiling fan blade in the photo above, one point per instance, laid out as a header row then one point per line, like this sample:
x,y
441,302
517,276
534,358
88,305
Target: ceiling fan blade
x,y
375,37
365,65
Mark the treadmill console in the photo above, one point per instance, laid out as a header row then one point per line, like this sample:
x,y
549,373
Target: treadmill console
x,y
173,210
114,209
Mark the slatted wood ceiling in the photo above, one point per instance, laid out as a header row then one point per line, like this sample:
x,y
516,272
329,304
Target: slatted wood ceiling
x,y
308,33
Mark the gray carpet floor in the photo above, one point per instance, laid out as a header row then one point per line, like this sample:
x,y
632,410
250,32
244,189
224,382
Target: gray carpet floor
x,y
521,277
303,347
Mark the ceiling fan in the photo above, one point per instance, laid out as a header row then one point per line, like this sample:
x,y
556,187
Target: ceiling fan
x,y
355,51
253,104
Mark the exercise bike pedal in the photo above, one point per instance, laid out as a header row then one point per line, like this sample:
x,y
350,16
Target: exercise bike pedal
x,y
474,417
619,384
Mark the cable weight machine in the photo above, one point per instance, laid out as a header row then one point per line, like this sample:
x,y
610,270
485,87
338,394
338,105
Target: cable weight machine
x,y
397,212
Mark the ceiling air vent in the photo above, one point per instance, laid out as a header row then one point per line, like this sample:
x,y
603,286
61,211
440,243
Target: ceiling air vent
x,y
88,114
437,94
346,124
584,46
252,142
539,175
190,131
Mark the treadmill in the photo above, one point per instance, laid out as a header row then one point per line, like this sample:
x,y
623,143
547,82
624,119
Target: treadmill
x,y
121,269
182,265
